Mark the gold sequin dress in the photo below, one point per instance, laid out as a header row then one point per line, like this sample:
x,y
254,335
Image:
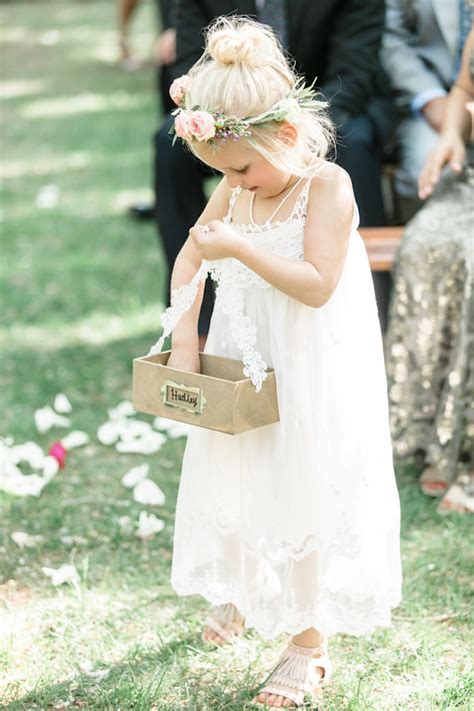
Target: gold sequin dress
x,y
430,340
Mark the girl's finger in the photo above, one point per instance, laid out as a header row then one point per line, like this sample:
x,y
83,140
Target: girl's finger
x,y
457,159
425,187
213,225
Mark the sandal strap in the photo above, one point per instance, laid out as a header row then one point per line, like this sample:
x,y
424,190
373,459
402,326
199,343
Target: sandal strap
x,y
226,620
297,696
295,673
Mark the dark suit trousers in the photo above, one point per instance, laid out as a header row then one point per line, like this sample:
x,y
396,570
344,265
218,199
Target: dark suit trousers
x,y
179,200
180,197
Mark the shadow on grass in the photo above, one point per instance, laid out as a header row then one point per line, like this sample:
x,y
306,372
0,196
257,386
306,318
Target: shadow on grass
x,y
146,678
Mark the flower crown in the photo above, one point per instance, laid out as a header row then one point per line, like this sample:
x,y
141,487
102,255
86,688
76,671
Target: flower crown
x,y
216,126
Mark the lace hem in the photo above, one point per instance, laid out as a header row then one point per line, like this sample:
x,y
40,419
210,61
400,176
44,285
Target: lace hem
x,y
330,614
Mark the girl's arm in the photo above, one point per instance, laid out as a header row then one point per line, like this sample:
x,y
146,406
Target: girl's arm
x,y
456,130
185,342
327,231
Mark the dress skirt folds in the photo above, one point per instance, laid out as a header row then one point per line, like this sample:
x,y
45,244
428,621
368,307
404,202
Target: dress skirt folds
x,y
296,523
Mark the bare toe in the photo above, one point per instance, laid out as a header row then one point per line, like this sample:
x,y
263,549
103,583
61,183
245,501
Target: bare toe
x,y
211,636
217,638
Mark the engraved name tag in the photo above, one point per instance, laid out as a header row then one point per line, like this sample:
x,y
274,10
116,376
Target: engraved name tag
x,y
183,397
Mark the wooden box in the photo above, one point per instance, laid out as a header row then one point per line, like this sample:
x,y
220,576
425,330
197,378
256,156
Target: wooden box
x,y
219,398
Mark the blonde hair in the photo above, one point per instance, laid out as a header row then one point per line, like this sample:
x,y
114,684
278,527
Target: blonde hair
x,y
243,72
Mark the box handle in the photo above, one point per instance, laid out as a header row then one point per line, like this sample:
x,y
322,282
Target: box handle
x,y
183,397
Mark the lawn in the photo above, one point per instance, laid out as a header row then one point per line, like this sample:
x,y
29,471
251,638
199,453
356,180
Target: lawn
x,y
82,287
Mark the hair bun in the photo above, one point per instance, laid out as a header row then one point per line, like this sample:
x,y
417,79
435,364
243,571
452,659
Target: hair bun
x,y
243,44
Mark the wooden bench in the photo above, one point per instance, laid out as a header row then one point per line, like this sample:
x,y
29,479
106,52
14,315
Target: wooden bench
x,y
381,244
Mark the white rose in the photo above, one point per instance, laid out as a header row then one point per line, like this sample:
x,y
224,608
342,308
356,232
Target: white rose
x,y
292,110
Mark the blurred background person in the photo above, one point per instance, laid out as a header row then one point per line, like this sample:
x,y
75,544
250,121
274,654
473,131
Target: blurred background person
x,y
164,53
421,52
335,43
430,340
125,12
164,58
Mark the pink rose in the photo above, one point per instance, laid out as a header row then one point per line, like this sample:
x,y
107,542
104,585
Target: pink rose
x,y
202,125
182,126
179,88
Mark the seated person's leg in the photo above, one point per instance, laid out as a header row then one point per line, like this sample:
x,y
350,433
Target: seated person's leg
x,y
179,199
415,138
359,154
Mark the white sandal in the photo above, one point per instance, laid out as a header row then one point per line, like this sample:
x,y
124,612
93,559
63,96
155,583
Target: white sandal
x,y
227,621
295,673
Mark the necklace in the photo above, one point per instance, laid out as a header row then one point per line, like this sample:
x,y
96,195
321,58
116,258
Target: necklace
x,y
275,211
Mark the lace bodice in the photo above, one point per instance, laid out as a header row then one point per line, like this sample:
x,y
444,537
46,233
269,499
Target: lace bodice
x,y
284,238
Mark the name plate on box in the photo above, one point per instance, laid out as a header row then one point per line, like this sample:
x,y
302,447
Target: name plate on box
x,y
183,397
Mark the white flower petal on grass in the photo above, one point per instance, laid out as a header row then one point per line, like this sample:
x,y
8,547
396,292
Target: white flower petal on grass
x,y
66,573
125,523
148,493
74,439
62,404
47,197
13,481
131,429
163,423
179,429
8,459
148,525
125,430
173,428
135,475
108,433
147,444
122,410
50,468
99,674
87,668
9,470
45,418
73,540
49,38
29,452
26,540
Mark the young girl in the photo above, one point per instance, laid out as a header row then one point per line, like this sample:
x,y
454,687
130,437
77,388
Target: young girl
x,y
294,527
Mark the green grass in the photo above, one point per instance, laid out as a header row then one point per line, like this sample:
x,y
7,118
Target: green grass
x,y
81,292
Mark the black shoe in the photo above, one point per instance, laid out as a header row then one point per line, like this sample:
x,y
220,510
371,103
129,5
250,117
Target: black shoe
x,y
142,211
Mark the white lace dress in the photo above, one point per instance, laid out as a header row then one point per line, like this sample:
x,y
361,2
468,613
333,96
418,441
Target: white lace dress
x,y
296,523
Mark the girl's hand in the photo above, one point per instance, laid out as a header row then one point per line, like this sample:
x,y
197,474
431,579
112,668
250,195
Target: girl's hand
x,y
216,240
185,359
450,149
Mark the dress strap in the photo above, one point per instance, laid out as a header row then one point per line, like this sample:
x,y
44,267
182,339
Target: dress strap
x,y
234,194
300,208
